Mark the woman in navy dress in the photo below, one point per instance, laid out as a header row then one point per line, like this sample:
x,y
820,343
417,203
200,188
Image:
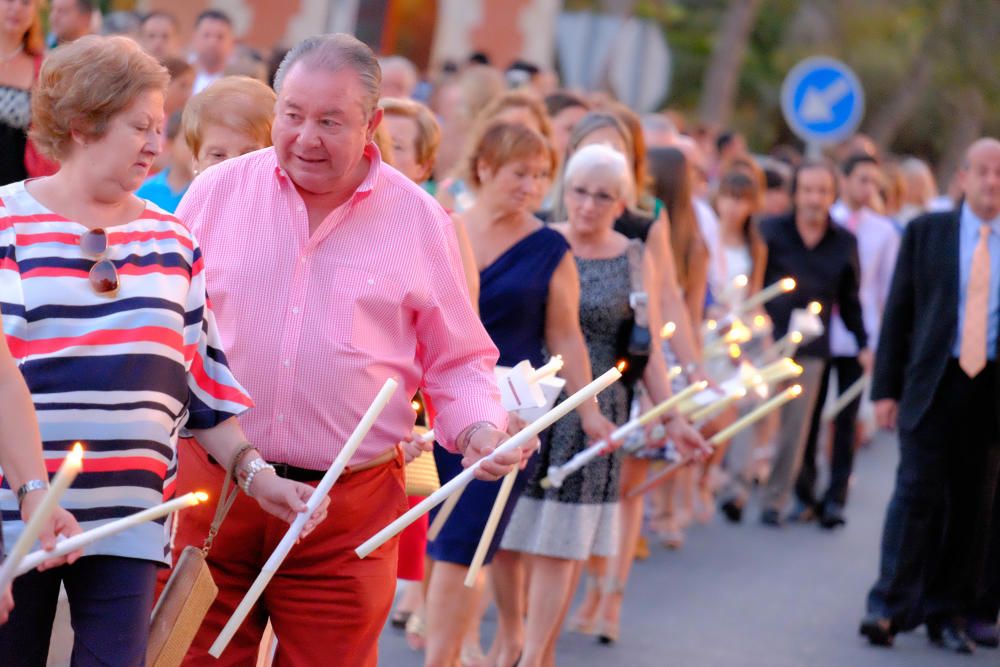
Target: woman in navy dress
x,y
522,264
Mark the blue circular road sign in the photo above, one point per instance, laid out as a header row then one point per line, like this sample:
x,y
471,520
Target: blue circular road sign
x,y
822,100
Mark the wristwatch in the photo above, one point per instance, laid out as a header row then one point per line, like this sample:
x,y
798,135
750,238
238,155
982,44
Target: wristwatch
x,y
28,487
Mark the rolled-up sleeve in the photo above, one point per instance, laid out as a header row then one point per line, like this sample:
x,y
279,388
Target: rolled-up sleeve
x,y
453,349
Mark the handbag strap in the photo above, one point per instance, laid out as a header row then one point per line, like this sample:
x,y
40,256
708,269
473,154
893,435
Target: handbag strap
x,y
637,299
226,498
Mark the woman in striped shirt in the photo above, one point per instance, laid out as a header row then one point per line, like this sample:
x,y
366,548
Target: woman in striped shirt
x,y
105,311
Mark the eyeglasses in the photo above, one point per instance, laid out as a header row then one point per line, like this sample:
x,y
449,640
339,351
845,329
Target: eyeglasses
x,y
103,274
600,199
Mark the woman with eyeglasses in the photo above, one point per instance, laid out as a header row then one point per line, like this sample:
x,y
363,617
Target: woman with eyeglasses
x,y
105,311
559,529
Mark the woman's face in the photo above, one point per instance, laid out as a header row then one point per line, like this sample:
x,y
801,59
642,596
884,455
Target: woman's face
x,y
125,153
519,185
562,127
403,132
593,202
220,143
16,16
179,91
733,211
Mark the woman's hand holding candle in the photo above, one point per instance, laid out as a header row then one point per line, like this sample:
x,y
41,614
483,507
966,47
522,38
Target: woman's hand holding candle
x,y
61,522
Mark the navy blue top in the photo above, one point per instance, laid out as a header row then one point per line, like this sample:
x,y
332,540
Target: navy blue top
x,y
513,294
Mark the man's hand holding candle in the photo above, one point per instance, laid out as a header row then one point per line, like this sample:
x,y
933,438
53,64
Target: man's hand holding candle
x,y
478,441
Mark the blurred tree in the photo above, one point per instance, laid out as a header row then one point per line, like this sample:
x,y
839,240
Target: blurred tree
x,y
729,50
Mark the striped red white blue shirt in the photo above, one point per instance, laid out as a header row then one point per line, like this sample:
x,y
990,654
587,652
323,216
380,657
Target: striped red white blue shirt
x,y
122,375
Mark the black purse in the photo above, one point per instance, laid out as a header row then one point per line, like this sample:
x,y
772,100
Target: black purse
x,y
635,341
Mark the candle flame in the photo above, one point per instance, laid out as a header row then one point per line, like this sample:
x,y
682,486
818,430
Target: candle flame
x,y
734,351
796,369
711,325
740,392
740,281
201,496
815,307
674,371
796,337
621,365
759,321
668,330
76,454
795,390
415,405
788,284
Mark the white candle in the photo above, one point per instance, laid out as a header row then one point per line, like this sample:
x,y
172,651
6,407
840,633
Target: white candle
x,y
557,474
523,437
782,286
548,370
71,544
68,471
490,529
788,344
716,407
783,369
847,397
295,530
442,516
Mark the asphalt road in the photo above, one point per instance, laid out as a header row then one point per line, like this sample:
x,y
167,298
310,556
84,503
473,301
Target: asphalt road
x,y
754,596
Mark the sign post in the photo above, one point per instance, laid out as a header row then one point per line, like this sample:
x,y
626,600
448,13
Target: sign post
x,y
822,101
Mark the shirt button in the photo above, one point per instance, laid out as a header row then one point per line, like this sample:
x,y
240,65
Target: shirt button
x,y
303,260
371,282
295,310
281,418
299,208
287,362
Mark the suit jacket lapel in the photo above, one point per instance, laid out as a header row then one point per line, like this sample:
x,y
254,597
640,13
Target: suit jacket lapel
x,y
950,269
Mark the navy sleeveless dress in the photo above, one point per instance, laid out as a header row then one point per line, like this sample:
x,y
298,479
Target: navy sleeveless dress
x,y
513,293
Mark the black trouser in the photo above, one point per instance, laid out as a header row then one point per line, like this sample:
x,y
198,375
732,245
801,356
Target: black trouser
x,y
939,518
848,372
987,607
110,600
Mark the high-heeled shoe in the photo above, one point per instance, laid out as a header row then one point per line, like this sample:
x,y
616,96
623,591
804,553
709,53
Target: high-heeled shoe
x,y
584,624
607,631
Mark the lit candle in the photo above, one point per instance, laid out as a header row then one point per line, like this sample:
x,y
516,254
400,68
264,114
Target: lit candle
x,y
712,409
674,372
720,437
490,529
778,288
788,344
782,369
815,307
295,530
557,474
668,330
68,471
71,544
755,415
461,479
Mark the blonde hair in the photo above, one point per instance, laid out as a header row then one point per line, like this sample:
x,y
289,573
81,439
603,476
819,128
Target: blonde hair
x,y
428,131
503,143
512,99
34,38
86,83
239,103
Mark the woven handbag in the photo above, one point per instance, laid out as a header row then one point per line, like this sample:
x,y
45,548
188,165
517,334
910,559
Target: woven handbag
x,y
421,474
190,591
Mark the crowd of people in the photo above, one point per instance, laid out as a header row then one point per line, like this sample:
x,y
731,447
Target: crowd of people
x,y
212,258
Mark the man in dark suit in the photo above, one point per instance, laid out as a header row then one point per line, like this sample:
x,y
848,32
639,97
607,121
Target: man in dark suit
x,y
936,379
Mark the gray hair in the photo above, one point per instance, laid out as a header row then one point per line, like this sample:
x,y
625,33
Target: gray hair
x,y
333,52
402,64
603,159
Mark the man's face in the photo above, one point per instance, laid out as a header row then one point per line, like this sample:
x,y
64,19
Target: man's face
x,y
862,184
67,21
158,37
981,179
321,126
814,195
212,43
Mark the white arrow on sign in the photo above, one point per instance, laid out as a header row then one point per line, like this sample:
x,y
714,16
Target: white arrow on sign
x,y
818,103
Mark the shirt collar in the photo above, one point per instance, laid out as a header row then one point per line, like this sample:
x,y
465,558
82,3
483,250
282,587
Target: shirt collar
x,y
971,222
371,153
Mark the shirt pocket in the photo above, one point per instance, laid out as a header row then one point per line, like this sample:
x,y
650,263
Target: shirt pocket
x,y
375,318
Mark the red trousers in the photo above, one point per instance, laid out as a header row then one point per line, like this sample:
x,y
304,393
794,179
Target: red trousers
x,y
327,606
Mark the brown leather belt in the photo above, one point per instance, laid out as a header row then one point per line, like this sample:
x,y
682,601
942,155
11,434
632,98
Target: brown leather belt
x,y
297,474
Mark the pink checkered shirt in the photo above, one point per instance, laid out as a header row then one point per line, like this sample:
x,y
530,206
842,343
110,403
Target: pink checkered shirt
x,y
314,325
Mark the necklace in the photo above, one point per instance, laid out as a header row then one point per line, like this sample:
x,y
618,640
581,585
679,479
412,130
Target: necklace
x,y
7,57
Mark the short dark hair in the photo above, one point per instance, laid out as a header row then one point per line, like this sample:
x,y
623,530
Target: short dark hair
x,y
560,100
86,6
775,179
479,58
213,15
723,140
816,163
852,162
159,15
